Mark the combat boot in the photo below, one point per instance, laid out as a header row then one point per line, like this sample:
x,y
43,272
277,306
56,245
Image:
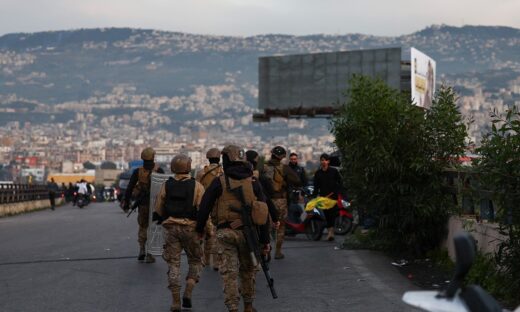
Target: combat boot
x,y
278,252
186,297
248,307
330,234
141,255
149,258
176,299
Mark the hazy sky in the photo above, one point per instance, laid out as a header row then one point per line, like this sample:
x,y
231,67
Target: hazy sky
x,y
248,17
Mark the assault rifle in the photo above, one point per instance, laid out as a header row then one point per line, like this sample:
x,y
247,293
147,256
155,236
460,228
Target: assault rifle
x,y
251,235
137,202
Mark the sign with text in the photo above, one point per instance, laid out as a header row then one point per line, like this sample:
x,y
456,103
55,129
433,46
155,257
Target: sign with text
x,y
423,78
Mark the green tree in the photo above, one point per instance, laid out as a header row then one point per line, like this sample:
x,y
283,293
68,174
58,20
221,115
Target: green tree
x,y
392,161
446,128
499,171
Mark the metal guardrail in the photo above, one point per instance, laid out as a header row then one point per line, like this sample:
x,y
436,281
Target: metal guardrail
x,y
15,193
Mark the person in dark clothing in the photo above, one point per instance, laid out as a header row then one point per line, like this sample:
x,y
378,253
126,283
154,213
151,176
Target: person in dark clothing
x,y
75,193
53,188
327,183
294,191
236,264
293,163
69,192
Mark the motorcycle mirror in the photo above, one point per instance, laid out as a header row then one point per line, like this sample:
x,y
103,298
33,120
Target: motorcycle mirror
x,y
465,253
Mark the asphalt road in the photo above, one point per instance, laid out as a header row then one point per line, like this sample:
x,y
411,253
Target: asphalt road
x,y
75,259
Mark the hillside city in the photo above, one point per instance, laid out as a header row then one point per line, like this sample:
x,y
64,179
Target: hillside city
x,y
53,133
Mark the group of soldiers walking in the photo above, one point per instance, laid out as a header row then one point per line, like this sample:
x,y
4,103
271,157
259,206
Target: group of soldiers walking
x,y
207,218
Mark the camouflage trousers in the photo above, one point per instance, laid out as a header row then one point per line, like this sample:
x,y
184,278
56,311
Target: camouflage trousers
x,y
143,220
281,206
210,245
235,264
178,237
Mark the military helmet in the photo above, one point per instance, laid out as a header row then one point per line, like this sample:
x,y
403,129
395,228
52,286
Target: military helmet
x,y
213,153
279,151
234,153
148,154
181,164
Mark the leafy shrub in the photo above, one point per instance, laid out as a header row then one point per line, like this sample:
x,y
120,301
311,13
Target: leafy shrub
x,y
392,158
499,171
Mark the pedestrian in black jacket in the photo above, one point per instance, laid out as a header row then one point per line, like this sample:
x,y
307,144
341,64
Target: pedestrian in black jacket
x,y
327,183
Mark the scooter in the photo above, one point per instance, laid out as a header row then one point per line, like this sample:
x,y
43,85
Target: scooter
x,y
344,221
81,200
456,297
311,223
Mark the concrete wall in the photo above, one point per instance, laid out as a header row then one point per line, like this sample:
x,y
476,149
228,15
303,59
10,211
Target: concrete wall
x,y
486,234
28,206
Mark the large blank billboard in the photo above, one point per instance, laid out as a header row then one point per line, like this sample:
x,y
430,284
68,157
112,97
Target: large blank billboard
x,y
314,81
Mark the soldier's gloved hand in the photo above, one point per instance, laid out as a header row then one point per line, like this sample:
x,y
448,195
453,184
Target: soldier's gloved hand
x,y
125,205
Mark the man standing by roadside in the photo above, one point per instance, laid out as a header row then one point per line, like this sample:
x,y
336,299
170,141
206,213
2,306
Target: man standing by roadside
x,y
176,209
139,188
295,192
300,171
327,183
53,188
280,176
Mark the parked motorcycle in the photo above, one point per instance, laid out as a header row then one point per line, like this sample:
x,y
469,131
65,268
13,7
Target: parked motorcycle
x,y
311,223
344,221
456,297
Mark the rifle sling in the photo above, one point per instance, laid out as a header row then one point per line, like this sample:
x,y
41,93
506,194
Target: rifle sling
x,y
209,171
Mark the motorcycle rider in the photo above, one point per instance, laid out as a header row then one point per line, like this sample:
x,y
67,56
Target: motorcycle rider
x,y
139,188
176,209
205,177
236,262
327,183
279,176
82,190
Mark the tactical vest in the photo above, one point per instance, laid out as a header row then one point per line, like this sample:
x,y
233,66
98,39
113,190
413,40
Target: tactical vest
x,y
223,212
275,173
210,173
179,199
144,181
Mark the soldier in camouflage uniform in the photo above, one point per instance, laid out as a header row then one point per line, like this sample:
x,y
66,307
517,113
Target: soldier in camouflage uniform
x,y
279,176
139,189
236,266
205,177
176,209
